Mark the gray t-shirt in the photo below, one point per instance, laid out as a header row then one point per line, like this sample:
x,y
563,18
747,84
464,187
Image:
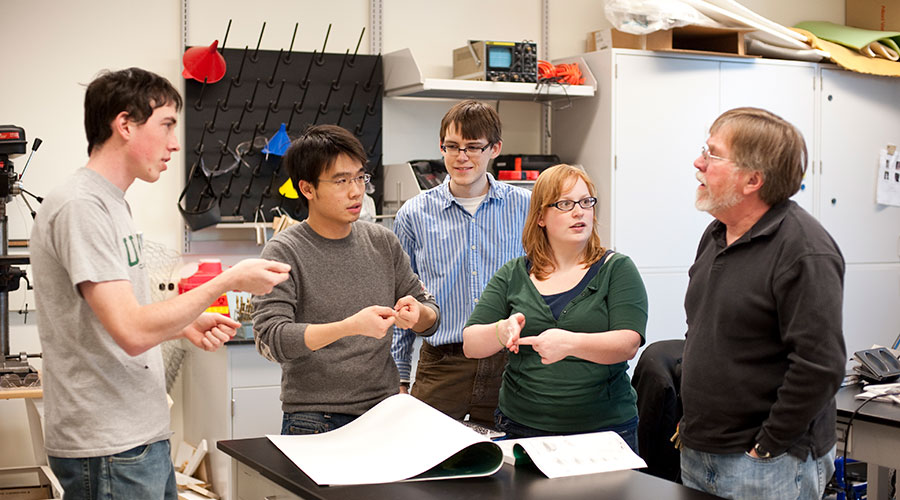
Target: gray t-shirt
x,y
332,280
98,400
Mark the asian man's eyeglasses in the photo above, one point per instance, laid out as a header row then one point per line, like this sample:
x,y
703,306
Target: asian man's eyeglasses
x,y
344,182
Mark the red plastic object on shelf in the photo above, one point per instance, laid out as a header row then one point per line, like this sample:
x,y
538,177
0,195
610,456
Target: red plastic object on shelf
x,y
518,175
206,270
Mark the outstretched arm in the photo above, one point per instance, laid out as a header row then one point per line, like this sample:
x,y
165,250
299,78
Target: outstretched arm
x,y
605,348
137,328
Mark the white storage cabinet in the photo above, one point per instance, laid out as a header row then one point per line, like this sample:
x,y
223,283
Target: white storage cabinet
x,y
639,135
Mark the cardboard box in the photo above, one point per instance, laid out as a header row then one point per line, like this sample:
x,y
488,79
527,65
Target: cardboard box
x,y
881,15
684,39
28,483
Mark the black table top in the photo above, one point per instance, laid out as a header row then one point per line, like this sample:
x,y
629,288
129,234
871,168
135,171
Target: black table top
x,y
521,483
879,412
14,260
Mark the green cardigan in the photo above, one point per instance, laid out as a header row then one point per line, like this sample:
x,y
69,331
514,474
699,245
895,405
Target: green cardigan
x,y
571,395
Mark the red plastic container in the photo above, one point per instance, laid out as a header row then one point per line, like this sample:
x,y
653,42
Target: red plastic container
x,y
206,270
518,175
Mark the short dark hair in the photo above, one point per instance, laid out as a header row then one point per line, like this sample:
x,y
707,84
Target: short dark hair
x,y
761,141
473,120
134,90
317,149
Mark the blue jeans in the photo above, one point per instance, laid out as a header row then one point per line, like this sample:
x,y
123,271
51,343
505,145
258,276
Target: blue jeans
x,y
141,473
739,476
515,430
313,422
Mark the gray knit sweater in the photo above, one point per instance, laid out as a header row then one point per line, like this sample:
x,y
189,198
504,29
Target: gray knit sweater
x,y
332,280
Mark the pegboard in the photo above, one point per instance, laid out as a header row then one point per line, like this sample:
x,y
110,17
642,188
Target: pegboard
x,y
229,178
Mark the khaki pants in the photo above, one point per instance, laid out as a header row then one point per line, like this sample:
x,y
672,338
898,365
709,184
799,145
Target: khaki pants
x,y
456,385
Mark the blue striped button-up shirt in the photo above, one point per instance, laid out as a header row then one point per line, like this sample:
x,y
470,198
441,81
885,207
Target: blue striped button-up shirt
x,y
456,253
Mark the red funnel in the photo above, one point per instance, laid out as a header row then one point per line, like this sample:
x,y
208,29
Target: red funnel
x,y
204,63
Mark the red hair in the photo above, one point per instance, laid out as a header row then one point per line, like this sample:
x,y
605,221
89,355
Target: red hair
x,y
550,185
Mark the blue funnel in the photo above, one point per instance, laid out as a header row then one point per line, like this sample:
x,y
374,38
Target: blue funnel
x,y
279,142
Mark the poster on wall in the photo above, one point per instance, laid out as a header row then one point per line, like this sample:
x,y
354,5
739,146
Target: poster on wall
x,y
888,181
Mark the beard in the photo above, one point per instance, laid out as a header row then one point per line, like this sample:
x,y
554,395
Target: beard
x,y
714,202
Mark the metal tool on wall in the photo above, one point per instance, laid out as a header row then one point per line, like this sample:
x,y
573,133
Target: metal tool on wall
x,y
14,368
235,175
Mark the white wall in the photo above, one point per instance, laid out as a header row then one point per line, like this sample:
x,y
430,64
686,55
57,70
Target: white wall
x,y
208,20
55,48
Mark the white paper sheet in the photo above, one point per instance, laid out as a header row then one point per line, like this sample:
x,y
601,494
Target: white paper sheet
x,y
739,9
397,439
732,13
561,456
888,192
887,393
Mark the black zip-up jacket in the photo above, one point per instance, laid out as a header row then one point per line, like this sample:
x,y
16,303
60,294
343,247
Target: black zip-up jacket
x,y
764,352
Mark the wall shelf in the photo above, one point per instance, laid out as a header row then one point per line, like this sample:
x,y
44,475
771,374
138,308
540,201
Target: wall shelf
x,y
403,78
226,232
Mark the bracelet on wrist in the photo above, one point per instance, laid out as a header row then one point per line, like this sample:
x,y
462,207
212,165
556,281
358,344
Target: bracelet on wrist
x,y
497,330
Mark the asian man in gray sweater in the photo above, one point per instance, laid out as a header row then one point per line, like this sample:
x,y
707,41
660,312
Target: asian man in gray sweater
x,y
330,323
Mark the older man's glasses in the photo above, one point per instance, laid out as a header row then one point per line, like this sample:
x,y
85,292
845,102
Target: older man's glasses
x,y
568,205
471,151
707,155
346,182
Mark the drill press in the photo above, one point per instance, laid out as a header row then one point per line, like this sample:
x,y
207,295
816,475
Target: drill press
x,y
14,369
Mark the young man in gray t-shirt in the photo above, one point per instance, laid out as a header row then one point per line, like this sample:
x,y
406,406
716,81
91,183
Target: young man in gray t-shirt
x,y
106,417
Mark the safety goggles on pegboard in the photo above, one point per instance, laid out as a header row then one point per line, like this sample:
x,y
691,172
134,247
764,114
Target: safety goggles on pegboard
x,y
243,107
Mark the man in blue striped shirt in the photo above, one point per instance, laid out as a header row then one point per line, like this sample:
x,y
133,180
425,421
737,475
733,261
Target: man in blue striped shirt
x,y
457,235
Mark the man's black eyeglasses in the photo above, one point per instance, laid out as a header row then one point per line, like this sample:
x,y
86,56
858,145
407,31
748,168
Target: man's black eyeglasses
x,y
453,149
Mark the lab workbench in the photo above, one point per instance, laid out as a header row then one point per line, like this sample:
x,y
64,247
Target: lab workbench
x,y
261,470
